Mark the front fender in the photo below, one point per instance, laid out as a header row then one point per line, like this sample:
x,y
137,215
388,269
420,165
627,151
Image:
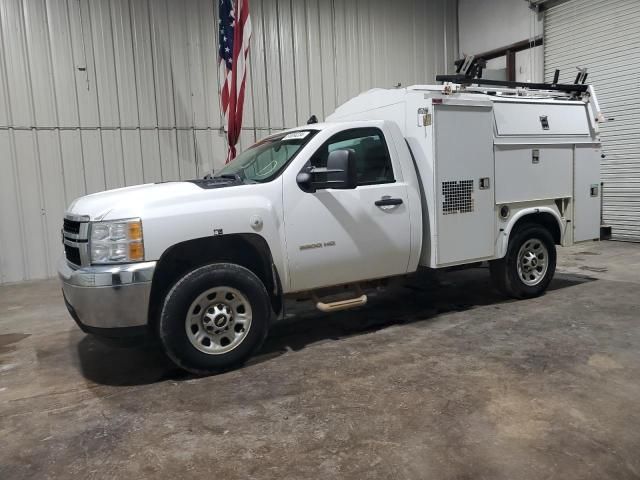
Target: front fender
x,y
249,209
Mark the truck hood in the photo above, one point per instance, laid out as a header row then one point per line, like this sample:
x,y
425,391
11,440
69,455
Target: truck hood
x,y
129,201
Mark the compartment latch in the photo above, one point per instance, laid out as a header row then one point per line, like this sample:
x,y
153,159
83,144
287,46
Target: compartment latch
x,y
535,156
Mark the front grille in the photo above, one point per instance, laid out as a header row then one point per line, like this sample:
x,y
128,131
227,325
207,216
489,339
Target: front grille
x,y
74,235
72,254
71,226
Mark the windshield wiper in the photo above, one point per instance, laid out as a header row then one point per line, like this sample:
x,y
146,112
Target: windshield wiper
x,y
231,176
237,177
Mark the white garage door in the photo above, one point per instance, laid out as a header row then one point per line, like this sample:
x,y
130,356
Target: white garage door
x,y
604,37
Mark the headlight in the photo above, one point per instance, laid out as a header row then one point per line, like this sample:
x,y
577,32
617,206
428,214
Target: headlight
x,y
118,241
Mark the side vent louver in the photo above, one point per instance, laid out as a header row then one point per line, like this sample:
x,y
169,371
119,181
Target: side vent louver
x,y
457,197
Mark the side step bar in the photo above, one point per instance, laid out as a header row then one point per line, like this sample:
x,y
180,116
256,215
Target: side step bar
x,y
341,304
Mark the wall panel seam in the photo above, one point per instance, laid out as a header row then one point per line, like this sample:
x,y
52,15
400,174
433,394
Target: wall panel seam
x,y
34,138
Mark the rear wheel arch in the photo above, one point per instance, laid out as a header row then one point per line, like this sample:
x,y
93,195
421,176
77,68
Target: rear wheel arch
x,y
248,250
545,219
543,216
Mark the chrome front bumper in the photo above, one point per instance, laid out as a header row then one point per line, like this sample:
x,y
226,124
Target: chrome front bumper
x,y
107,296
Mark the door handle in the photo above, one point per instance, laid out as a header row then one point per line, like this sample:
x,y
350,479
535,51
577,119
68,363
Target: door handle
x,y
387,202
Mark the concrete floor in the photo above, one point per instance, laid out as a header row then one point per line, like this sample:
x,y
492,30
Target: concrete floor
x,y
444,379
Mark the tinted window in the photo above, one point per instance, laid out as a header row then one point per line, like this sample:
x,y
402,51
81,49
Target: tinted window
x,y
372,156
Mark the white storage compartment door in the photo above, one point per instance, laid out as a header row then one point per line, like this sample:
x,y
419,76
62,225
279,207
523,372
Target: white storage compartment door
x,y
541,119
604,37
586,214
532,172
464,160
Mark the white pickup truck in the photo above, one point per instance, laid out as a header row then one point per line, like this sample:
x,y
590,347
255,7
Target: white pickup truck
x,y
395,181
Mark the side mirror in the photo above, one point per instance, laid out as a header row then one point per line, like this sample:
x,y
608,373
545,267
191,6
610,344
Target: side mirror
x,y
340,173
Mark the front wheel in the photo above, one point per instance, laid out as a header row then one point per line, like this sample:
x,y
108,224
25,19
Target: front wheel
x,y
214,318
529,265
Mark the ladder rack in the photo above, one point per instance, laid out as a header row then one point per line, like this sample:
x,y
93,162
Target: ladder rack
x,y
574,89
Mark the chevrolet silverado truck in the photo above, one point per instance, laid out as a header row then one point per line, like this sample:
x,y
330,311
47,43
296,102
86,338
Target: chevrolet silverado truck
x,y
394,181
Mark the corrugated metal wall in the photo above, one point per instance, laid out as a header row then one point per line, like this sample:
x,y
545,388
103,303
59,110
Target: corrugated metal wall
x,y
604,36
97,94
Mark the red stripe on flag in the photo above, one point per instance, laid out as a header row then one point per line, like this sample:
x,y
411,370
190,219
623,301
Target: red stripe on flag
x,y
233,89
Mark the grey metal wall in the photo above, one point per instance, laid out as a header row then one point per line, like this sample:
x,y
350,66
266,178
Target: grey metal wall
x,y
98,94
604,36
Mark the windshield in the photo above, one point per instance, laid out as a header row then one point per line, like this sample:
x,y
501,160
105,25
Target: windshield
x,y
266,159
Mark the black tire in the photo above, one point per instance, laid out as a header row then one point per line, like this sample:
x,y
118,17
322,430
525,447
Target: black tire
x,y
172,327
504,272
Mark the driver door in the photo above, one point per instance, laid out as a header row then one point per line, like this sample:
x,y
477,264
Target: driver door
x,y
343,236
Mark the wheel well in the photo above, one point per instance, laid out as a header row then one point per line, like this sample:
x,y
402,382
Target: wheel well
x,y
543,219
248,250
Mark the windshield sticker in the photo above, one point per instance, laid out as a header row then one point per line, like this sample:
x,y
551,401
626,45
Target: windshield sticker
x,y
295,136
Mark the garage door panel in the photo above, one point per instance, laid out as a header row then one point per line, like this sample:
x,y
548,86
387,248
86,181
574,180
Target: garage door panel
x,y
610,55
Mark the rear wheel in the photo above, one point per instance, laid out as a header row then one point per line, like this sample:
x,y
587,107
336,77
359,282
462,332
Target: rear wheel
x,y
214,318
529,265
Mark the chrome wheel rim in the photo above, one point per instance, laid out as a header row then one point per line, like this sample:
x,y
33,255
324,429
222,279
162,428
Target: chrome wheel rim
x,y
533,262
218,320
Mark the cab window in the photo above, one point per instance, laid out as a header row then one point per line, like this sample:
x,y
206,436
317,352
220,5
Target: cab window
x,y
372,155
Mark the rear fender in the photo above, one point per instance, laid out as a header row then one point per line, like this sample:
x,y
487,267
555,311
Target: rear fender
x,y
534,214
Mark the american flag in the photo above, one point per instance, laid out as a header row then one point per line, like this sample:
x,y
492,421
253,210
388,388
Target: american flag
x,y
234,36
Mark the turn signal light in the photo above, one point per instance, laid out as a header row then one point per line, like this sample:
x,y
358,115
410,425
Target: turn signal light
x,y
136,251
135,231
